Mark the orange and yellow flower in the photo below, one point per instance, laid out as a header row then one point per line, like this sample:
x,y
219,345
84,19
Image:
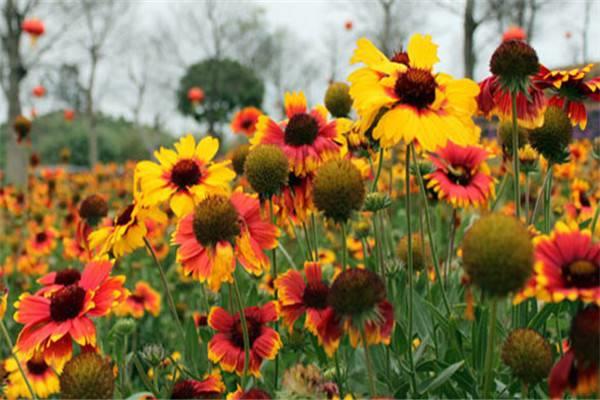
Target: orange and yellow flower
x,y
244,121
43,379
142,299
227,346
307,138
417,104
461,175
127,231
570,91
566,267
52,322
221,230
185,175
42,241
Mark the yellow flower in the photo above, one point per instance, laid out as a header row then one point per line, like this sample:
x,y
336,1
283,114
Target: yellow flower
x,y
418,104
43,379
3,300
127,231
185,175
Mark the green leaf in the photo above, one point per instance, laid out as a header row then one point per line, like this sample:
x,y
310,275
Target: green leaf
x,y
538,320
192,352
442,377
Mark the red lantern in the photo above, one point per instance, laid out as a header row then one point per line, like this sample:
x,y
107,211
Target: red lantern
x,y
69,114
34,27
348,25
39,91
514,33
195,95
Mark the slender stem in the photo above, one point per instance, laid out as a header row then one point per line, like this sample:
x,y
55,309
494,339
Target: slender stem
x,y
378,242
594,222
489,354
436,264
308,244
378,173
547,200
273,277
344,246
450,246
515,155
499,192
338,374
370,375
9,343
245,335
315,236
163,279
541,193
524,390
527,196
409,332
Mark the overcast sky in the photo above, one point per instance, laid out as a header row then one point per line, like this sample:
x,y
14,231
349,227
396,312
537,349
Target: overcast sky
x,y
557,40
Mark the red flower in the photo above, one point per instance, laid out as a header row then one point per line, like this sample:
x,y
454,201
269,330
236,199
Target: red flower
x,y
219,231
227,346
298,296
461,176
566,266
306,137
195,95
493,99
244,121
53,321
569,90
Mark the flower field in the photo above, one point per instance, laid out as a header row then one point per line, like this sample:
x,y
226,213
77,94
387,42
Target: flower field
x,y
376,246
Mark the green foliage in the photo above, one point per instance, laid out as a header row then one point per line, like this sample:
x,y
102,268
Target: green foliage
x,y
227,85
119,139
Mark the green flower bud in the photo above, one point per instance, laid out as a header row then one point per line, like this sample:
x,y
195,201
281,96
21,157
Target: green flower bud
x,y
553,137
498,254
377,201
87,376
267,170
238,158
528,355
338,100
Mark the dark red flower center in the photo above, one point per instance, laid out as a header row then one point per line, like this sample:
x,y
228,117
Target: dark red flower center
x,y
582,274
247,123
237,334
125,216
400,57
191,389
185,173
136,298
416,87
459,175
67,303
41,237
315,295
67,277
302,129
37,366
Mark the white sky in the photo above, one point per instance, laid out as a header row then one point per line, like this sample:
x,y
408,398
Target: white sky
x,y
312,20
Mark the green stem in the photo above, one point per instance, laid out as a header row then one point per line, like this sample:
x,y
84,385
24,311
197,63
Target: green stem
x,y
436,264
313,255
344,246
515,154
378,242
338,374
409,332
499,192
370,375
489,355
378,173
547,200
541,193
526,196
170,301
9,343
245,335
524,390
274,277
450,246
594,222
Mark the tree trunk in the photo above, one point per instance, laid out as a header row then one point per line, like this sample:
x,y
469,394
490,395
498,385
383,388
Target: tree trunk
x,y
469,28
16,160
93,134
